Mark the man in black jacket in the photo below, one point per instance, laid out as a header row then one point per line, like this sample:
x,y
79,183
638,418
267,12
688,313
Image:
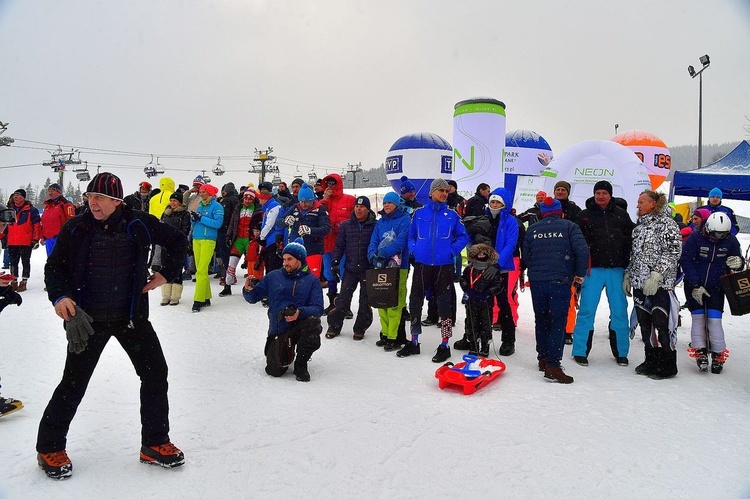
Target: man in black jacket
x,y
477,203
98,282
352,241
608,230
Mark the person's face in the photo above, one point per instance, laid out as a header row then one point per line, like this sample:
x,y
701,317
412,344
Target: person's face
x,y
495,204
265,192
389,208
485,193
53,194
306,205
174,203
296,188
18,199
645,204
439,195
144,190
247,201
360,212
451,189
318,188
602,198
283,187
697,220
561,193
204,195
714,200
101,206
539,198
291,264
409,196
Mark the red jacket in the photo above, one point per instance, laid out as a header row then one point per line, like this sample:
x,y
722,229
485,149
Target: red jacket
x,y
26,230
56,212
339,207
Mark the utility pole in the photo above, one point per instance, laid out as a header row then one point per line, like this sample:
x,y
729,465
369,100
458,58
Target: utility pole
x,y
354,169
262,158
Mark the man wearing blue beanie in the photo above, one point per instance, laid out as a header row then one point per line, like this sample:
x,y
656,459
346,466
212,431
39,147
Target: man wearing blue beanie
x,y
409,195
309,220
714,205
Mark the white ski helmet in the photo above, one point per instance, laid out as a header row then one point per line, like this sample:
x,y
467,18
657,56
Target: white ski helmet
x,y
718,225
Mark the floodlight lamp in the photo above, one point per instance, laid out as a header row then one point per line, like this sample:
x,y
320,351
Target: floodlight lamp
x,y
705,60
691,71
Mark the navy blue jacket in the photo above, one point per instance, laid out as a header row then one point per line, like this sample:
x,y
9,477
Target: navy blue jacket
x,y
554,249
704,261
300,288
316,218
352,240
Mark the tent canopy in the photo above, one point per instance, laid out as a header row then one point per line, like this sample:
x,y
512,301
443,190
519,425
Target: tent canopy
x,y
731,174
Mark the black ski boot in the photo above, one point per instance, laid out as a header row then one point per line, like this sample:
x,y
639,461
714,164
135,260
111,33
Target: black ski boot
x,y
702,359
382,341
390,345
648,367
409,349
464,344
227,291
442,353
507,348
717,364
667,366
300,368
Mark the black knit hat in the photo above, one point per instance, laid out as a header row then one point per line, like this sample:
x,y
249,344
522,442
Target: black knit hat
x,y
106,184
603,185
22,192
176,196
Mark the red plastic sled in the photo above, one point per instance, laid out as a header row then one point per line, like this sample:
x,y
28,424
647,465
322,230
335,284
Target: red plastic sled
x,y
466,376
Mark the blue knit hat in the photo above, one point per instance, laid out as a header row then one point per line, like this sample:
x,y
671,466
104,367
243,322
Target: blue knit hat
x,y
550,206
407,185
297,249
392,197
715,192
305,194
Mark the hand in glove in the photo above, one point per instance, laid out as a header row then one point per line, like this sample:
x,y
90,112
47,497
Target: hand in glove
x,y
304,230
8,297
698,294
257,264
626,285
195,216
651,286
290,220
78,329
734,262
378,262
336,271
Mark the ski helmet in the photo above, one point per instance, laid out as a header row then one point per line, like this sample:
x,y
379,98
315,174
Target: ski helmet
x,y
718,225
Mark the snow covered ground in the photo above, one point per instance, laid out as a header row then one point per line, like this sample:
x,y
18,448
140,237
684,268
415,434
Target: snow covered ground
x,y
371,424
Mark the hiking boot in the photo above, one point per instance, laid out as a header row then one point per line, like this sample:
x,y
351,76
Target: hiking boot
x,y
581,360
409,349
331,334
382,341
622,361
348,315
227,291
8,406
390,345
542,363
300,371
206,303
442,353
197,306
462,344
557,374
14,285
56,465
358,335
165,455
506,348
21,286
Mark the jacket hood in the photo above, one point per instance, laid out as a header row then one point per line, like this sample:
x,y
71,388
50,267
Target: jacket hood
x,y
166,184
338,189
486,248
229,188
507,199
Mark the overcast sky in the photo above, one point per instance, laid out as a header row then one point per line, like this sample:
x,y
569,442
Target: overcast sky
x,y
336,82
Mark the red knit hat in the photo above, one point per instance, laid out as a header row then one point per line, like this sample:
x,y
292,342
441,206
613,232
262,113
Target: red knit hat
x,y
210,189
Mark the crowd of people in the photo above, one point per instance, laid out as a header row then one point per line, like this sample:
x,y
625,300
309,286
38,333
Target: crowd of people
x,y
293,245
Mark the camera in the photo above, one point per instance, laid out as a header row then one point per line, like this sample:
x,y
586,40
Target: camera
x,y
254,281
288,311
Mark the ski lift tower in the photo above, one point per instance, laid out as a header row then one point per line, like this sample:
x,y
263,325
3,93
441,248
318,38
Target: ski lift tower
x,y
61,160
264,162
354,169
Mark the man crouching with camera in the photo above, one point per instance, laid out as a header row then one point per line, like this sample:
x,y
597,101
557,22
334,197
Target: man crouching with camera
x,y
295,304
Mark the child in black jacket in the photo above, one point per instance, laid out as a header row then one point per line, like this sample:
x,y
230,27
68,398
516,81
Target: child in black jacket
x,y
481,282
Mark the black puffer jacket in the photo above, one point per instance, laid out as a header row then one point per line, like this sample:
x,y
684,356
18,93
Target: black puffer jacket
x,y
110,258
352,241
608,232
